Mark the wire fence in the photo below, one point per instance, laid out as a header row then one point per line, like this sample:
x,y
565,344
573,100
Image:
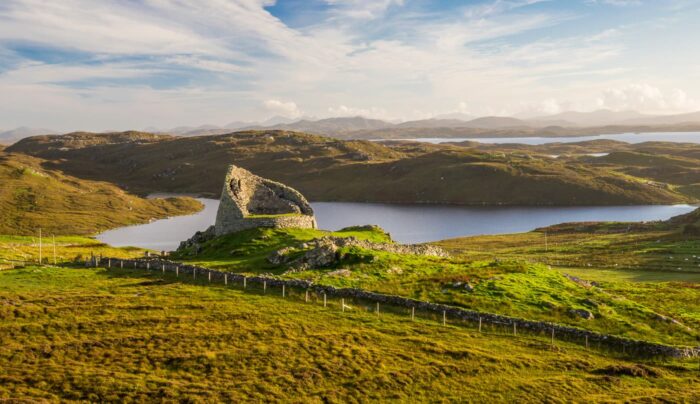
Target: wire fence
x,y
360,301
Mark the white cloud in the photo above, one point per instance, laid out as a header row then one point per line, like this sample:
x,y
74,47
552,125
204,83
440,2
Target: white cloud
x,y
497,7
618,3
385,59
287,109
362,9
372,112
645,97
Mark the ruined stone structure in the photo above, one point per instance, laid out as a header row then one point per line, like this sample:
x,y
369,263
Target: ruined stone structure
x,y
249,201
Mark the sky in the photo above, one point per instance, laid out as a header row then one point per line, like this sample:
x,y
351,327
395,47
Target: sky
x,y
134,64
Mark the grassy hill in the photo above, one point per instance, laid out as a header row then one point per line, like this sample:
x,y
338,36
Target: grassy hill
x,y
326,169
669,165
33,197
122,335
514,285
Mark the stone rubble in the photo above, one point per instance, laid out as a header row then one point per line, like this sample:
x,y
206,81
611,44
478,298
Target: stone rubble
x,y
323,252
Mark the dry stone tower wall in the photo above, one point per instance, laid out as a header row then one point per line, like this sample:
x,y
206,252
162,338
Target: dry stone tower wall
x,y
249,201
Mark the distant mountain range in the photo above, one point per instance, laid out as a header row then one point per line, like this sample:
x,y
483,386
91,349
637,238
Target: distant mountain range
x,y
13,135
455,124
569,123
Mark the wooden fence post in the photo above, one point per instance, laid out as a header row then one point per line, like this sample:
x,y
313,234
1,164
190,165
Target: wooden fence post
x,y
377,308
225,279
479,324
515,329
177,271
264,286
209,276
148,266
109,263
163,268
306,297
283,291
121,264
342,304
413,313
39,245
552,336
586,341
194,272
244,282
324,299
444,318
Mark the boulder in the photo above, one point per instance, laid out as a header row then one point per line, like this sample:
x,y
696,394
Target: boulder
x,y
585,314
195,242
280,256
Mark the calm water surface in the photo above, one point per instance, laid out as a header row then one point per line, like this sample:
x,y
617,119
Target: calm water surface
x,y
406,223
676,137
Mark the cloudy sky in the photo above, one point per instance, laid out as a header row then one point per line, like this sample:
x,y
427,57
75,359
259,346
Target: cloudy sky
x,y
122,64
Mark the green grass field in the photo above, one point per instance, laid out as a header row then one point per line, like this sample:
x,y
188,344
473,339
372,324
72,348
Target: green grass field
x,y
75,334
17,250
515,285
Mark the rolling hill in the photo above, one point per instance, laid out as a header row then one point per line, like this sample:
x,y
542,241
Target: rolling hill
x,y
33,197
327,169
329,126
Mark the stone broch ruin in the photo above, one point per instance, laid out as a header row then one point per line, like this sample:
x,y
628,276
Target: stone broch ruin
x,y
249,201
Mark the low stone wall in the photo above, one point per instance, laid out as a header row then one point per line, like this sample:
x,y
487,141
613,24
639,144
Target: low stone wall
x,y
562,332
232,224
410,249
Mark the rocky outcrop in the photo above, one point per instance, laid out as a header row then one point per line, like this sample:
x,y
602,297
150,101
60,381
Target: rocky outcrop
x,y
323,252
581,282
195,242
249,201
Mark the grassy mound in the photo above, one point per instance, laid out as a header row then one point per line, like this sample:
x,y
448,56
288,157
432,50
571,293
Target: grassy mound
x,y
120,335
247,251
32,197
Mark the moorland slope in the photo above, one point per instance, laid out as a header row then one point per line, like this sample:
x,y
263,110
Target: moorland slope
x,y
33,197
327,169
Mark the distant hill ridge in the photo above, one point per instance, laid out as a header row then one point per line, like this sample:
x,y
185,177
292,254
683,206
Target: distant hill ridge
x,y
570,123
326,169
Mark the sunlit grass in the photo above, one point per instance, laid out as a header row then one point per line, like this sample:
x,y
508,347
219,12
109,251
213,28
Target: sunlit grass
x,y
511,283
96,334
